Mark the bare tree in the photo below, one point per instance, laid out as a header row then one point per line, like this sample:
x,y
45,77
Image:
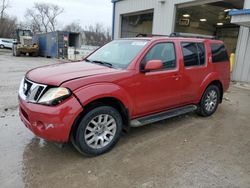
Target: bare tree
x,y
95,35
73,27
8,27
3,6
52,14
34,22
42,17
8,24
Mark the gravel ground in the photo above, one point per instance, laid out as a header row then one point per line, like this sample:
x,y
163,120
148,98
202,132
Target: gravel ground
x,y
186,151
12,71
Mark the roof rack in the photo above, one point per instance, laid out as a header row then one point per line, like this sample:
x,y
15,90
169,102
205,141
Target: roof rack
x,y
150,35
192,35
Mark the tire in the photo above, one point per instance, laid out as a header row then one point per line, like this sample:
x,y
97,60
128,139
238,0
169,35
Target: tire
x,y
14,50
18,53
209,101
35,54
1,46
99,130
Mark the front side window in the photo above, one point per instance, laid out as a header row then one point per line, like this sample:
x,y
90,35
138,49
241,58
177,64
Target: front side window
x,y
164,52
118,53
194,54
219,53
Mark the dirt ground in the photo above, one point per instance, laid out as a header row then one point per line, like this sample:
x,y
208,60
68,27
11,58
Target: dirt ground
x,y
187,151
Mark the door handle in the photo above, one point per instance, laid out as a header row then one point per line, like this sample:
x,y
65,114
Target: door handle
x,y
176,77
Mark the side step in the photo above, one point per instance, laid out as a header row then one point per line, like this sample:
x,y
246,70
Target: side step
x,y
162,115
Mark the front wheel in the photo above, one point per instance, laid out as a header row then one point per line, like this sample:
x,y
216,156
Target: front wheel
x,y
99,130
34,54
209,101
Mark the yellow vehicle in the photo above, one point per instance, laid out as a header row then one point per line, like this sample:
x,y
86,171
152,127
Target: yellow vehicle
x,y
24,44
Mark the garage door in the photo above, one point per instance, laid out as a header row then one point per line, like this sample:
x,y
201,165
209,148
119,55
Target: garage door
x,y
137,23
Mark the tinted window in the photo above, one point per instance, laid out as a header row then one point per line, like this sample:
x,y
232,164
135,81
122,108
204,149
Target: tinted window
x,y
202,53
194,53
219,53
190,54
164,52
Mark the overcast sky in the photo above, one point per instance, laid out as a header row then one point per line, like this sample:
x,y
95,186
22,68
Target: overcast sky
x,y
86,12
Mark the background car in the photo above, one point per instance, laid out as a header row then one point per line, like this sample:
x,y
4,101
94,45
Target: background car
x,y
6,43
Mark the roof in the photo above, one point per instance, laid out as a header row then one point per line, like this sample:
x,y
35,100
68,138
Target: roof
x,y
114,1
239,12
159,38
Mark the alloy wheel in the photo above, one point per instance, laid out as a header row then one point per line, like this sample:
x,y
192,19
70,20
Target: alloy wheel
x,y
211,101
100,131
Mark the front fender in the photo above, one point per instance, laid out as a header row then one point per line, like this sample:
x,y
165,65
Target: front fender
x,y
96,91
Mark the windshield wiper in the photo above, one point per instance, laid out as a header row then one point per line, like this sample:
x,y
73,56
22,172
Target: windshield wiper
x,y
100,62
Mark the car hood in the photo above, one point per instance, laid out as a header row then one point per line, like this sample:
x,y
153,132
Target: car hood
x,y
59,73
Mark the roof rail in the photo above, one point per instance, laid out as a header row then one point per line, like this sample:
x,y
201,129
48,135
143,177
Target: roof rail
x,y
150,35
192,35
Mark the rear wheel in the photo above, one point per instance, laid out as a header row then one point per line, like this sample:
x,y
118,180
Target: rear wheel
x,y
1,46
209,101
99,130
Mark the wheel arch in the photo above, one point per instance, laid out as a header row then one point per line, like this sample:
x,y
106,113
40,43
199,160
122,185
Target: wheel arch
x,y
108,101
217,83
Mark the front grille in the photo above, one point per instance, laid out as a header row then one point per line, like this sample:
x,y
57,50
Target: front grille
x,y
27,42
31,91
38,93
26,87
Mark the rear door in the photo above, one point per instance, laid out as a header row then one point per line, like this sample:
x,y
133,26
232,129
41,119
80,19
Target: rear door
x,y
195,69
158,90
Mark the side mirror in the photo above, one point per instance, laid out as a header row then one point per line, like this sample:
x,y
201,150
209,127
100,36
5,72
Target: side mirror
x,y
153,65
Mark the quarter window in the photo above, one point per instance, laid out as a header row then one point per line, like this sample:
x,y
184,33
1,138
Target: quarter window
x,y
219,53
194,54
164,52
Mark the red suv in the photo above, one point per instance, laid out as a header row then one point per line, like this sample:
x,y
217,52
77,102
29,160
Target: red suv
x,y
126,83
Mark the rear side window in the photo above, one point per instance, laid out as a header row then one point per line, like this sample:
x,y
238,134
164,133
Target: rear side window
x,y
201,53
194,54
219,53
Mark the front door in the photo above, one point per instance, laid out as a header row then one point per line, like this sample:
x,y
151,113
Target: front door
x,y
158,90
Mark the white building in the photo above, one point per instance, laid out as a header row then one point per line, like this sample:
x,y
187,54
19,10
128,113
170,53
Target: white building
x,y
211,17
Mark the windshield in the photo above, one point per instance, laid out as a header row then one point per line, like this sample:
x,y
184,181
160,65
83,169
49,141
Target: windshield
x,y
118,53
24,33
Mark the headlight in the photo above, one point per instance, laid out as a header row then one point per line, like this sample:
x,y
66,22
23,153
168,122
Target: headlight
x,y
54,96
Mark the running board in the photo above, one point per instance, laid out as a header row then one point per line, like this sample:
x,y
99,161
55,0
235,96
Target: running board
x,y
162,115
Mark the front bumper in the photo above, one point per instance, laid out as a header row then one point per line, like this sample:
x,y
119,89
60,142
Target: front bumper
x,y
28,49
52,123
